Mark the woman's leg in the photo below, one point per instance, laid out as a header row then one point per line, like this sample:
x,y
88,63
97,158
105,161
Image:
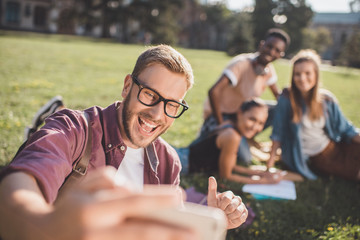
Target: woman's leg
x,y
338,159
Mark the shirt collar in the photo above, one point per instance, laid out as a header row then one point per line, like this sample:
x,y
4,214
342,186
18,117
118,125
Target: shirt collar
x,y
112,135
113,139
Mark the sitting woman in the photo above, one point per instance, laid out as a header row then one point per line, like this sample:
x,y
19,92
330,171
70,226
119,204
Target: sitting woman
x,y
314,136
217,153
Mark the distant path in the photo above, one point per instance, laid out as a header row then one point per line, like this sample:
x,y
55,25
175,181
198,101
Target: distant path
x,y
330,68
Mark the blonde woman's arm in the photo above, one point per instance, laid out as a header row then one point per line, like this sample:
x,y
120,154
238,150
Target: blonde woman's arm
x,y
275,146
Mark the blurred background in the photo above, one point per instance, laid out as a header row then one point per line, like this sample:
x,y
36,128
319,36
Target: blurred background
x,y
82,50
331,27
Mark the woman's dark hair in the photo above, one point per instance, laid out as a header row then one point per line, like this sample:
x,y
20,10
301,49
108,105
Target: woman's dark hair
x,y
249,104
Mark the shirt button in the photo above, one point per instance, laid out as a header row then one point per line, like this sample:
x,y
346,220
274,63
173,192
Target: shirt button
x,y
122,148
109,145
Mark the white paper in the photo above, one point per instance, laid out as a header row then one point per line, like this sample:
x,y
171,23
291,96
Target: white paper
x,y
284,189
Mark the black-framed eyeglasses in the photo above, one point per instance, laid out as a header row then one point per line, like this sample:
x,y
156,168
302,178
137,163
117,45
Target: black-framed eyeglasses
x,y
150,97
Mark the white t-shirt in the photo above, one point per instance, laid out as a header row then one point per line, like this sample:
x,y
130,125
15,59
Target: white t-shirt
x,y
245,84
313,137
131,170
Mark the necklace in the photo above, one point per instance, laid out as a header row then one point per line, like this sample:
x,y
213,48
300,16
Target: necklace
x,y
259,69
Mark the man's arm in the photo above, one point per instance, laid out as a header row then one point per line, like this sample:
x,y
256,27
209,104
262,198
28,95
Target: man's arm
x,y
215,97
275,90
228,142
22,207
271,161
94,209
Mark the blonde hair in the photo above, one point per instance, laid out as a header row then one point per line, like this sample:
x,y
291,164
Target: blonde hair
x,y
313,99
168,57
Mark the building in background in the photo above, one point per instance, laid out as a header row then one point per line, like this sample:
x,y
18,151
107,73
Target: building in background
x,y
72,17
48,16
341,26
25,15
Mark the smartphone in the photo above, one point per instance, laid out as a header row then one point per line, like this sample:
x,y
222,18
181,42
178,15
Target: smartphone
x,y
210,223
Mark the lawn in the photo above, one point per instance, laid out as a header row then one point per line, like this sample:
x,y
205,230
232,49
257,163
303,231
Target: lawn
x,y
87,72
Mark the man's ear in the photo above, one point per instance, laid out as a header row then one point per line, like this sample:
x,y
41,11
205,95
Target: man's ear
x,y
127,86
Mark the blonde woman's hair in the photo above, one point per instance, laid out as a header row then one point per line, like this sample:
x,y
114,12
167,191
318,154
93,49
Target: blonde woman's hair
x,y
313,100
169,58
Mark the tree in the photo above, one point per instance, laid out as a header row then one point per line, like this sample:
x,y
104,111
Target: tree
x,y
217,25
262,19
355,5
298,16
191,18
157,17
241,38
161,20
206,26
351,52
91,13
291,15
318,39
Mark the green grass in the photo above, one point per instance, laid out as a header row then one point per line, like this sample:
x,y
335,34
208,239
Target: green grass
x,y
87,72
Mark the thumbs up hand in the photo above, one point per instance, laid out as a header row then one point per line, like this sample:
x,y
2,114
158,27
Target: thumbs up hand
x,y
231,204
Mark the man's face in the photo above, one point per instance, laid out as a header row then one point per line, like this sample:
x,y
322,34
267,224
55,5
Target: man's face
x,y
271,49
140,125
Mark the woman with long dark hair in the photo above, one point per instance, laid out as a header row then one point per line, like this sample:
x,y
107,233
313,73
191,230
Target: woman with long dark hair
x,y
217,152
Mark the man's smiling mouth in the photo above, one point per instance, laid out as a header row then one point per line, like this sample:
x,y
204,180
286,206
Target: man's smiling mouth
x,y
146,126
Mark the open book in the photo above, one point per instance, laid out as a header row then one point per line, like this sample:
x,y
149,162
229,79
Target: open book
x,y
282,190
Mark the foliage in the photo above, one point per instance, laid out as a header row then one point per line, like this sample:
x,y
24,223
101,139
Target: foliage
x,y
192,24
159,18
89,72
165,21
351,53
298,16
91,13
155,17
318,39
296,13
355,5
226,30
240,36
216,26
262,18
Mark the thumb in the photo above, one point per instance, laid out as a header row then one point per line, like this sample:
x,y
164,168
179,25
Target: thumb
x,y
212,192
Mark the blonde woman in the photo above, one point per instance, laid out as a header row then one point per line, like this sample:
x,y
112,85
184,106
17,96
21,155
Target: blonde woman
x,y
314,136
